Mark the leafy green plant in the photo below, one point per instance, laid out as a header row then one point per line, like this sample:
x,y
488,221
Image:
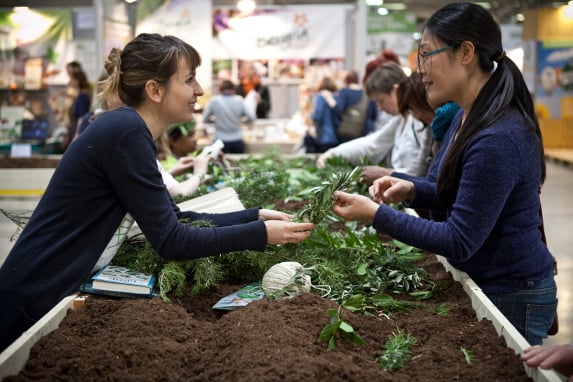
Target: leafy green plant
x,y
351,259
397,351
378,304
337,325
432,290
468,355
206,273
262,184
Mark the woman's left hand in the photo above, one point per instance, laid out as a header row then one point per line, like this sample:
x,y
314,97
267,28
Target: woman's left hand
x,y
354,207
265,214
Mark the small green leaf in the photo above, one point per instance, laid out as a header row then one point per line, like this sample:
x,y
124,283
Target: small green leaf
x,y
361,271
345,327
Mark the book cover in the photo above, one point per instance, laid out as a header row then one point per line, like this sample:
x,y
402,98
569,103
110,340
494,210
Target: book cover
x,y
122,279
240,298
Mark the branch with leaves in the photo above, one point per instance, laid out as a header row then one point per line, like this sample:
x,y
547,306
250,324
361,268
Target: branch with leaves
x,y
322,198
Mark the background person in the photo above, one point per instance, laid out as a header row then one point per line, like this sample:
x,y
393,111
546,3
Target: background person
x,y
439,125
403,143
352,98
228,112
250,81
385,56
322,135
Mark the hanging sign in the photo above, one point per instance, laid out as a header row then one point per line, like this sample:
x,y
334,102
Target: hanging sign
x,y
279,33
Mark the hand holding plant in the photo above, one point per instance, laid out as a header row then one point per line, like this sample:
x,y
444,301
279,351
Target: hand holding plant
x,y
354,207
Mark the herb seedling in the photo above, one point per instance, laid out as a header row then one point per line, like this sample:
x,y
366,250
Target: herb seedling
x,y
397,351
442,310
468,355
337,325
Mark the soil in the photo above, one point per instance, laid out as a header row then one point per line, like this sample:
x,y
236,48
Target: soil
x,y
149,340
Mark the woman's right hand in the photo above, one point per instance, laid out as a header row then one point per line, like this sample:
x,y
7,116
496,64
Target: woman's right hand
x,y
391,190
284,232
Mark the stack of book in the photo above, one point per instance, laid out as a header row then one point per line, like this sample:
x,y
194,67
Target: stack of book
x,y
116,281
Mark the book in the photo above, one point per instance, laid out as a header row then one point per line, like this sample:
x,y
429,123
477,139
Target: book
x,y
240,298
87,287
121,279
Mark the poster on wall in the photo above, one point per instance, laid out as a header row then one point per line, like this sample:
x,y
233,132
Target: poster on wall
x,y
30,34
190,20
393,32
554,93
285,33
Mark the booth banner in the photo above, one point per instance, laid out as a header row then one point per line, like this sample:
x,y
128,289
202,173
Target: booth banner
x,y
280,33
554,95
28,34
190,20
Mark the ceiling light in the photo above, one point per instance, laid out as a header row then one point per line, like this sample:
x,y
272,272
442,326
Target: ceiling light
x,y
246,6
383,11
520,17
374,3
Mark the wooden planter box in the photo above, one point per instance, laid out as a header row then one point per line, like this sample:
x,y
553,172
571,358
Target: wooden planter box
x,y
14,358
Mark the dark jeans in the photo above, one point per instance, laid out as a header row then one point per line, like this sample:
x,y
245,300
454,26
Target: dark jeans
x,y
234,147
531,310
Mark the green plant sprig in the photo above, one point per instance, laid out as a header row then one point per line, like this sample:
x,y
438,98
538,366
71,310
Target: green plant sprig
x,y
322,198
468,355
397,351
338,325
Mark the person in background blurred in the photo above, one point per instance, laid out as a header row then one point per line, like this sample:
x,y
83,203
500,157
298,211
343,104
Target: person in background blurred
x,y
440,126
102,104
82,103
385,56
322,135
228,112
352,96
404,142
250,81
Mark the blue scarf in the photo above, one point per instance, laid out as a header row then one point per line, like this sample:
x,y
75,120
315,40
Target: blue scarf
x,y
443,119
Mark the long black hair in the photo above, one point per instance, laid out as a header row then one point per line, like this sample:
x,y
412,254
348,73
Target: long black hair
x,y
506,89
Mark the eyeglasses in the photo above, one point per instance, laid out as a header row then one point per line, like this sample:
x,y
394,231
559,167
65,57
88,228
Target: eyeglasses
x,y
423,56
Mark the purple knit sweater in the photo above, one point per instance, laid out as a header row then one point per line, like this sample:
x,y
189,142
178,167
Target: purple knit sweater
x,y
492,231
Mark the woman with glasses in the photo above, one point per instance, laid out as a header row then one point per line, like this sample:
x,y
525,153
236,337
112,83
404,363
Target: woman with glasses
x,y
489,179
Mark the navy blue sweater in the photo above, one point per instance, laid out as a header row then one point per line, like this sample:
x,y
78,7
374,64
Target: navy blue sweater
x,y
110,170
492,230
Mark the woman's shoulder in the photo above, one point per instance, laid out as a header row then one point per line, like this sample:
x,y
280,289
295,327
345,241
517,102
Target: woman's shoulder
x,y
119,121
